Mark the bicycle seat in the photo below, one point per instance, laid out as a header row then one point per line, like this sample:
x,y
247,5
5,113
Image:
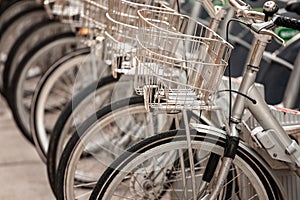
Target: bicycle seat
x,y
293,7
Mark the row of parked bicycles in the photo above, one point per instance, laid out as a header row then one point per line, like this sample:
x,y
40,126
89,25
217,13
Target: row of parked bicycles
x,y
128,99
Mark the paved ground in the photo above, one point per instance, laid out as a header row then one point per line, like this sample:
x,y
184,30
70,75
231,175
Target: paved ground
x,y
22,173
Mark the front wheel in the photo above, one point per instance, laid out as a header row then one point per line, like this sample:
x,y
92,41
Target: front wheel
x,y
99,140
158,168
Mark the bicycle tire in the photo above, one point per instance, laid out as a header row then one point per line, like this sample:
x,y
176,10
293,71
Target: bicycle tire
x,y
63,125
203,144
15,28
6,4
126,116
59,45
18,19
42,95
30,38
9,9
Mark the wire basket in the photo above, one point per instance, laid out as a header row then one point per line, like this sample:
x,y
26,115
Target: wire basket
x,y
87,17
93,14
68,11
180,62
121,30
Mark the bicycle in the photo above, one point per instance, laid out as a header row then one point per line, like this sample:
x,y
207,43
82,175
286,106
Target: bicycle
x,y
18,17
40,123
121,38
79,109
208,163
81,67
42,117
20,45
74,146
217,14
25,69
280,89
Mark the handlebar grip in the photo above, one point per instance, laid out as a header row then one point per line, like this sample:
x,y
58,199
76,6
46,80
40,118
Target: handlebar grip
x,y
287,22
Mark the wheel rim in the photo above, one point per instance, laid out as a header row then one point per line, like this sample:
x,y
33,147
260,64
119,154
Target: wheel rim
x,y
120,178
107,145
24,88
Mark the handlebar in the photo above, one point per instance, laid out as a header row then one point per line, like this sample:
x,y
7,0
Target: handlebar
x,y
239,5
245,10
287,22
210,8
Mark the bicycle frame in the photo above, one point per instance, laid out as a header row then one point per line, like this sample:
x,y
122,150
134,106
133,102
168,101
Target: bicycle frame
x,y
259,108
273,137
292,90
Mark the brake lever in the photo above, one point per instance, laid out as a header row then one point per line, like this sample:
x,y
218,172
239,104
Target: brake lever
x,y
263,28
271,33
257,27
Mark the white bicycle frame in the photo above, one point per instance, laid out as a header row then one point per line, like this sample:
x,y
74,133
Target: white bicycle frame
x,y
272,137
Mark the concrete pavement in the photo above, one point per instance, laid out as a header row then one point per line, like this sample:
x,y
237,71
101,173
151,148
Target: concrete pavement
x,y
22,174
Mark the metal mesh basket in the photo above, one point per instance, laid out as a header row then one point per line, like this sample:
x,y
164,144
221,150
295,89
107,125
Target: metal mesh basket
x,y
93,14
68,11
122,20
180,62
86,16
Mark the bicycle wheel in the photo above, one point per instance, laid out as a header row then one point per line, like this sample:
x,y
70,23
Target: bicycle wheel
x,y
158,168
27,41
10,9
15,27
91,98
55,90
99,140
5,4
30,70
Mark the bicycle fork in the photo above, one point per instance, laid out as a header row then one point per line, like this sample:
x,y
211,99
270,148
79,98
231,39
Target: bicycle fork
x,y
274,139
239,106
214,159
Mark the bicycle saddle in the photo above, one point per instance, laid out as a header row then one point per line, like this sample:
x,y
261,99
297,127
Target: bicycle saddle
x,y
293,7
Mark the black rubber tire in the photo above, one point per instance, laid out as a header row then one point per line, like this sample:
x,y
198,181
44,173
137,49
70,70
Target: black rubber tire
x,y
173,137
65,116
11,96
5,4
76,137
34,8
18,23
15,27
38,92
25,37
